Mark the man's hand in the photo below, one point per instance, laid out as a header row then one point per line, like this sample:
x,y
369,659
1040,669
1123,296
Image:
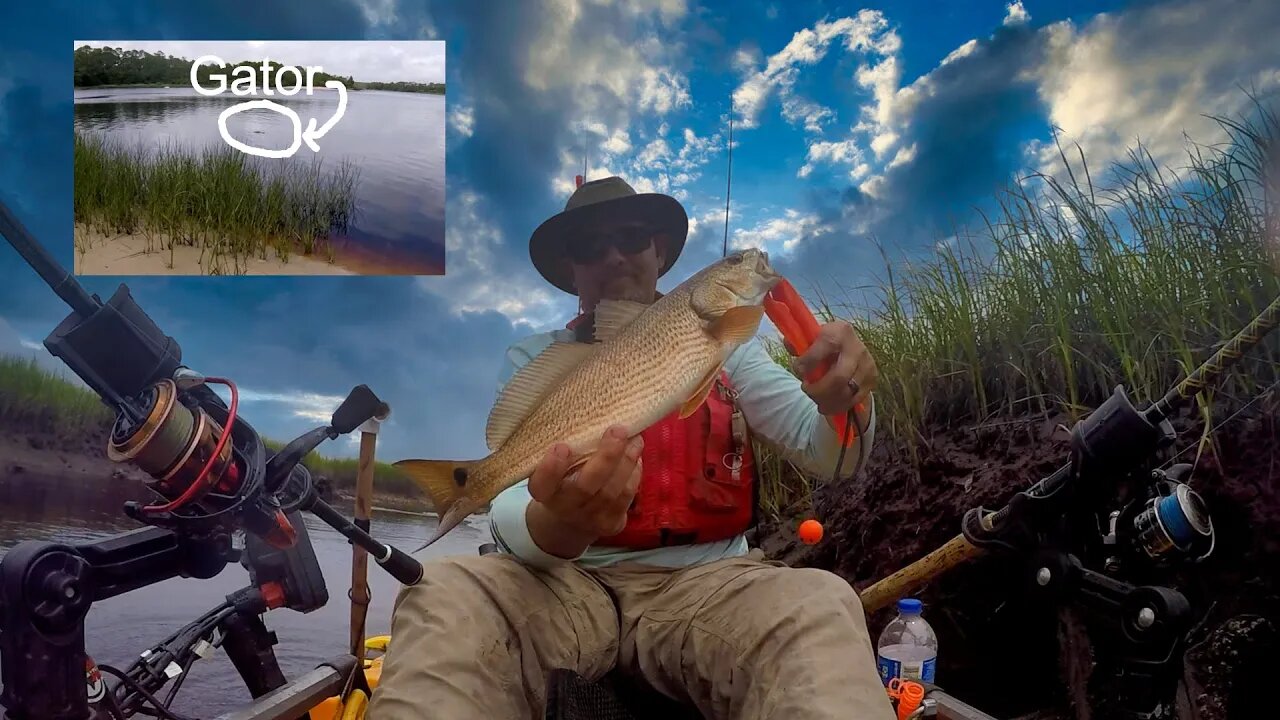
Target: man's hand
x,y
572,510
833,393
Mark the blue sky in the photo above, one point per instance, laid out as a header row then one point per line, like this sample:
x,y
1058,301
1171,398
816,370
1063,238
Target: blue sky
x,y
852,124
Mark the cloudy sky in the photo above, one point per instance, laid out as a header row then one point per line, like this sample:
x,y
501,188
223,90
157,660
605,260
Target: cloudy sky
x,y
852,126
366,60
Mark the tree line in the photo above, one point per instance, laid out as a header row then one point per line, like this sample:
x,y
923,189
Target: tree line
x,y
94,67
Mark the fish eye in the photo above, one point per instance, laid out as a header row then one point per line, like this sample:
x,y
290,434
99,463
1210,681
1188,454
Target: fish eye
x,y
734,259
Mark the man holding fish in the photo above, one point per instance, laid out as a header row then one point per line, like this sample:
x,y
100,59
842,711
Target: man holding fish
x,y
622,481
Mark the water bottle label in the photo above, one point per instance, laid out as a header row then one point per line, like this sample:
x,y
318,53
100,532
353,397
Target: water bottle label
x,y
909,670
888,669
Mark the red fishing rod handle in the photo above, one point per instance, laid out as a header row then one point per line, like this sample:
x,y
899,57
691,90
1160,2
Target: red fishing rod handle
x,y
799,328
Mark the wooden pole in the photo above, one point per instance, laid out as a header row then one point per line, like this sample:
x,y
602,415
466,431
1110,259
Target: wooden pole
x,y
360,595
888,590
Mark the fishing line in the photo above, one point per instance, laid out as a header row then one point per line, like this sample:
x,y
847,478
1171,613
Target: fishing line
x,y
724,252
1221,424
852,420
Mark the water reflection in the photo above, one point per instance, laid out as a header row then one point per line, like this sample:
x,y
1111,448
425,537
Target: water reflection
x,y
396,140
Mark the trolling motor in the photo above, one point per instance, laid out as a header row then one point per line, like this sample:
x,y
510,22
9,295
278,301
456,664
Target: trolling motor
x,y
213,476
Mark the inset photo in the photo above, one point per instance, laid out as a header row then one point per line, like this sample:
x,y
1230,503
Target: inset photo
x,y
259,158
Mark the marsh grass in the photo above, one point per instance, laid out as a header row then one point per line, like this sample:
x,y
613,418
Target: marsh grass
x,y
1069,290
34,399
217,199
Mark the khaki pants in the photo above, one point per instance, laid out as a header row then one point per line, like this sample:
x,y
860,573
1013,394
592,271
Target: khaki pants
x,y
738,638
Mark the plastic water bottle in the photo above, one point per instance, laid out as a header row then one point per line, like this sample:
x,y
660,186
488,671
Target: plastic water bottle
x,y
907,648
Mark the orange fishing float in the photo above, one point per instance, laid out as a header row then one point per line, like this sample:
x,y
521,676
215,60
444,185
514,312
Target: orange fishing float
x,y
810,531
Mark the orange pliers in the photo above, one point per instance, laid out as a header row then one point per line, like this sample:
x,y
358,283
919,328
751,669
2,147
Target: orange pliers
x,y
909,695
799,329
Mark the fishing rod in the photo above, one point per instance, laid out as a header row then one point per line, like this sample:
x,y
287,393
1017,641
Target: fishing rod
x,y
1055,531
214,477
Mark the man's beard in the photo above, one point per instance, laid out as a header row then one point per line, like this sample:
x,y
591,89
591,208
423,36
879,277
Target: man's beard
x,y
627,287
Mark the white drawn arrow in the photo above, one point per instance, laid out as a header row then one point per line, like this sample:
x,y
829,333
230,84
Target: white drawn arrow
x,y
252,150
310,135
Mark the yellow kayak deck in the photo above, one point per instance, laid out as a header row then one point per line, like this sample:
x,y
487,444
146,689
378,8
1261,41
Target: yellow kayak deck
x,y
333,708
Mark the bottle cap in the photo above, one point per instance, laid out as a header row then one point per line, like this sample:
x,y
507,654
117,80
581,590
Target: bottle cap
x,y
910,606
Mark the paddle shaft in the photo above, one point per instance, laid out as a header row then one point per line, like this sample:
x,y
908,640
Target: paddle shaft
x,y
360,558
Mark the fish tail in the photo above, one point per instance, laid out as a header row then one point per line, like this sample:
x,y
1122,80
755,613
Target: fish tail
x,y
444,481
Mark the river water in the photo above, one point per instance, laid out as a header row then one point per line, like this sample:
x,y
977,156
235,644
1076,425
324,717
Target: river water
x,y
395,139
116,629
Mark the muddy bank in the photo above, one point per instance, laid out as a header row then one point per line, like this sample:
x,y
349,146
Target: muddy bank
x,y
1000,651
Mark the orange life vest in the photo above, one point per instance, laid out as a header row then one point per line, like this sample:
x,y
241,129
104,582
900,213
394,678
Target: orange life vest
x,y
699,481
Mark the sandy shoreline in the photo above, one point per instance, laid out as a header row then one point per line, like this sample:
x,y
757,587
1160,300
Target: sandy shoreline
x,y
99,254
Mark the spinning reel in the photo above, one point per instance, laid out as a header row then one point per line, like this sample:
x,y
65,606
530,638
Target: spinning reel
x,y
208,476
1172,523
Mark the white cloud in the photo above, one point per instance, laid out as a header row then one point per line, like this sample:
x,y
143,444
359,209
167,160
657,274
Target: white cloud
x,y
814,116
662,90
656,167
617,77
655,152
868,31
463,119
963,51
306,405
779,234
873,186
904,156
379,12
476,282
1016,14
845,151
745,59
669,11
884,120
711,218
1153,75
603,69
618,143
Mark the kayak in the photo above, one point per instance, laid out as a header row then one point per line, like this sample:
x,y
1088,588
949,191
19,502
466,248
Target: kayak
x,y
332,708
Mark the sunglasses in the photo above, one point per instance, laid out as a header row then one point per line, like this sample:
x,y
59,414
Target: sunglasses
x,y
589,247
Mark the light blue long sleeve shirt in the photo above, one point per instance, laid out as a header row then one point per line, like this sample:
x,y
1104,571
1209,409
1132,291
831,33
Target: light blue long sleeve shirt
x,y
776,410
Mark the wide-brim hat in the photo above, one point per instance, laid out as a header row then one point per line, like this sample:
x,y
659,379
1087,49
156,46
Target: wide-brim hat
x,y
608,200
